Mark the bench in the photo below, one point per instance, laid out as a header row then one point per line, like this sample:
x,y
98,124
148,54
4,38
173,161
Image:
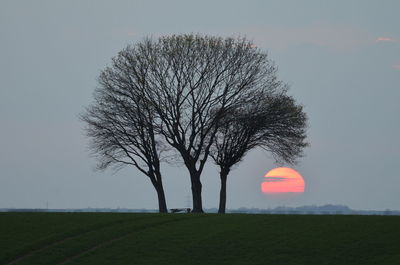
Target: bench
x,y
178,210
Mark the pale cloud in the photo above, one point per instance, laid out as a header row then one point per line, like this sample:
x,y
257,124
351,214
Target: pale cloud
x,y
396,66
383,39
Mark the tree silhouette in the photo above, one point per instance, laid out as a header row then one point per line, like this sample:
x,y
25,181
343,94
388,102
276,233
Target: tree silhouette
x,y
192,80
121,126
272,121
174,92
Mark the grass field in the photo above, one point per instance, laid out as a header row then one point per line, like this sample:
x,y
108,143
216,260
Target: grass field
x,y
156,239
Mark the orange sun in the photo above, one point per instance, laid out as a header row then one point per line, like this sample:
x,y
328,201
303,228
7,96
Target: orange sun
x,y
283,180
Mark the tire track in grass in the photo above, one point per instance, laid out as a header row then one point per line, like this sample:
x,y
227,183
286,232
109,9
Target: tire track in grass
x,y
62,240
120,237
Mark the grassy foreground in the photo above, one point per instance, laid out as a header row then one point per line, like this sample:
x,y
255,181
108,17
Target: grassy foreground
x,y
156,239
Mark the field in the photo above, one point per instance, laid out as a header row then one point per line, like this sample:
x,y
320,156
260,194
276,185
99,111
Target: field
x,y
156,239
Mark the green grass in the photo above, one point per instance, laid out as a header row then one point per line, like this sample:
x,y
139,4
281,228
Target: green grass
x,y
157,239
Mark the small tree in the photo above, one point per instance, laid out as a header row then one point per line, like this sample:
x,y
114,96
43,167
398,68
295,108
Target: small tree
x,y
121,126
273,122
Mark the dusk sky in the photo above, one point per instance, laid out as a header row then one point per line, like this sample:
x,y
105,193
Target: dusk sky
x,y
340,58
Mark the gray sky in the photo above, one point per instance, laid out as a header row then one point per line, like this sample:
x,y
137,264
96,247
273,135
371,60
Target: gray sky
x,y
341,58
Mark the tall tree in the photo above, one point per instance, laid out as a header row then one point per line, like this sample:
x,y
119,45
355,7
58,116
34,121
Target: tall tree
x,y
272,121
192,80
121,126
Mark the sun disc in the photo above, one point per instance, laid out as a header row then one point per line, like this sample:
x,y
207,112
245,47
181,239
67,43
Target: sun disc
x,y
283,180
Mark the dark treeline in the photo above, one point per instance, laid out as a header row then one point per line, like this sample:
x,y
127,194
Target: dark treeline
x,y
308,209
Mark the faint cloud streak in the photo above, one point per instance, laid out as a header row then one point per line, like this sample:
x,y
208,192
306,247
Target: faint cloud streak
x,y
275,179
379,39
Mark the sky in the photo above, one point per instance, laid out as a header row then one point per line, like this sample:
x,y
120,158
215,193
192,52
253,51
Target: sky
x,y
341,59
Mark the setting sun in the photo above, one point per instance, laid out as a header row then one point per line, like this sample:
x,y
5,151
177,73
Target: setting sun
x,y
283,180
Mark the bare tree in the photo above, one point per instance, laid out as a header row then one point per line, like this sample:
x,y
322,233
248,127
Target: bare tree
x,y
272,121
185,84
192,80
121,126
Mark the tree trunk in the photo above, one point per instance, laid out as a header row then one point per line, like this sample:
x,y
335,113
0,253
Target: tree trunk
x,y
162,204
222,194
196,193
